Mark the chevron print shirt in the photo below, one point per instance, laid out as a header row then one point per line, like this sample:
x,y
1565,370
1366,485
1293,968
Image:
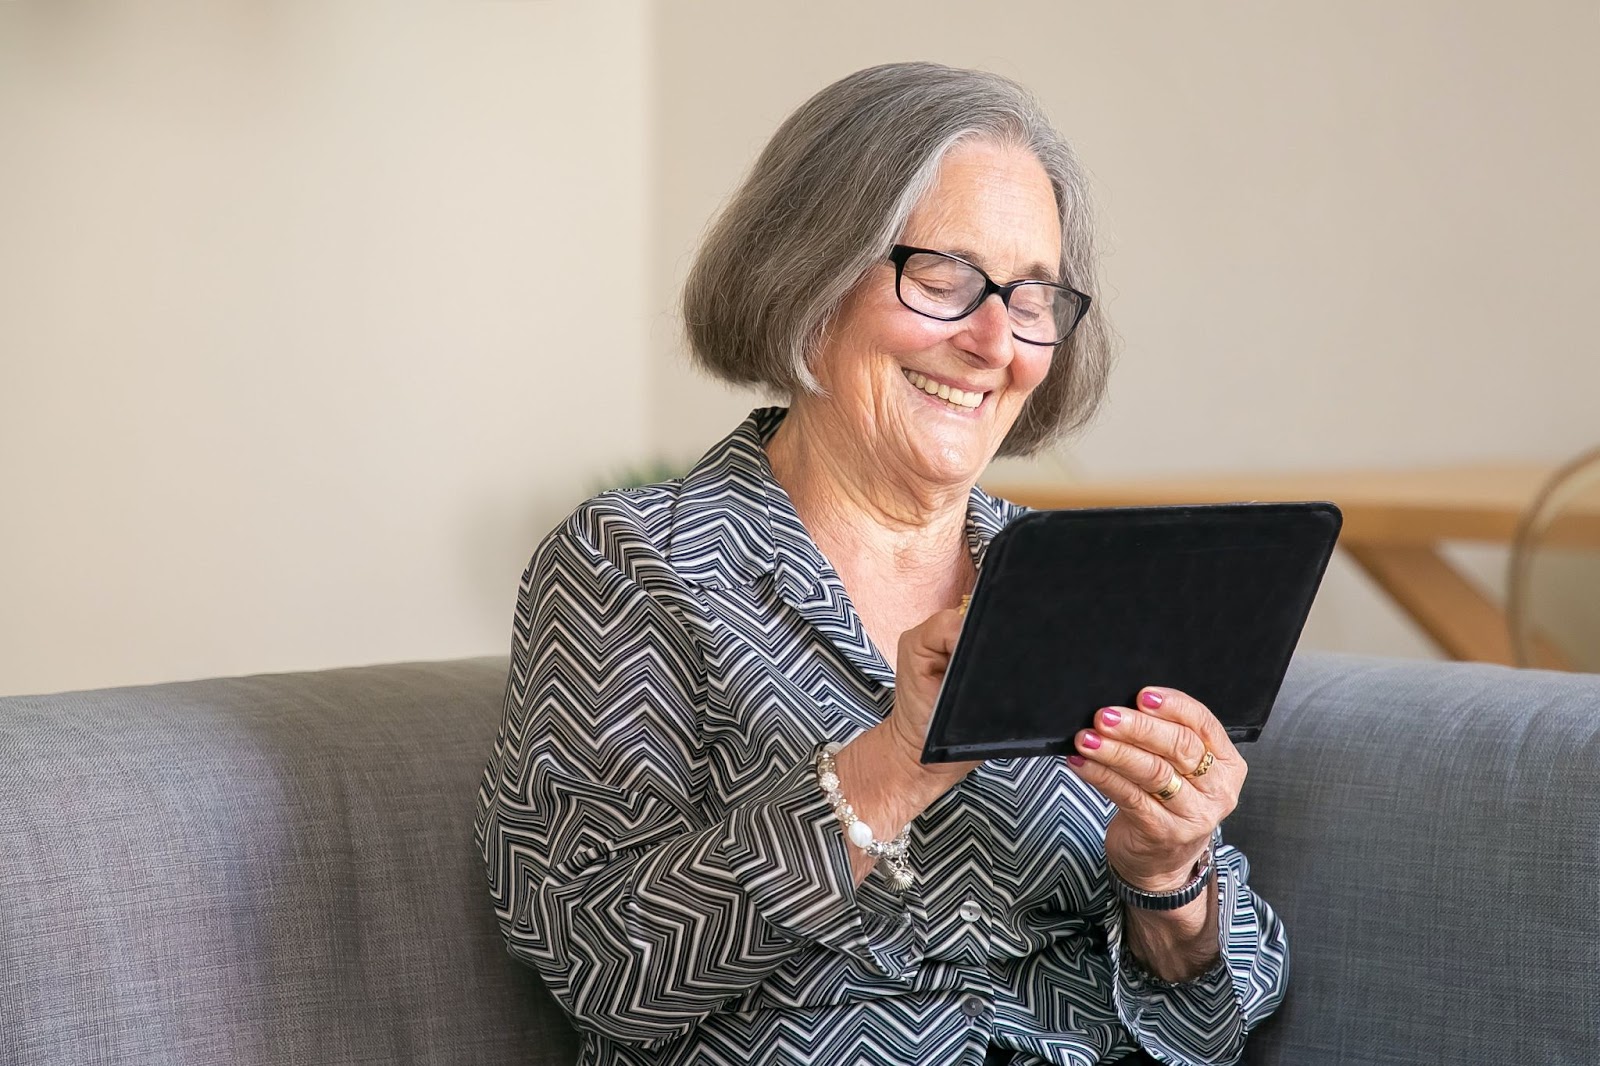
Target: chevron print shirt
x,y
658,848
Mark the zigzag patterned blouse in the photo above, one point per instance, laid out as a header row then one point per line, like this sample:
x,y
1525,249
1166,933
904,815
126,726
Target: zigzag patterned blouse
x,y
658,848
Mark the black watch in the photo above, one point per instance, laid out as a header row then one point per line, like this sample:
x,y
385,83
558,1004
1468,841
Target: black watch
x,y
1185,894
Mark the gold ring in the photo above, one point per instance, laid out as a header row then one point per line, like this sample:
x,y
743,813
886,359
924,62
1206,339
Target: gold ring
x,y
966,601
1172,788
1205,765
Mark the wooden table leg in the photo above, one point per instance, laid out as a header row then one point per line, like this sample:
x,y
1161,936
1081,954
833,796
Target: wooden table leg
x,y
1449,608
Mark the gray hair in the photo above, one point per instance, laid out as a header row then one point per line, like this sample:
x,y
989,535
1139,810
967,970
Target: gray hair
x,y
830,194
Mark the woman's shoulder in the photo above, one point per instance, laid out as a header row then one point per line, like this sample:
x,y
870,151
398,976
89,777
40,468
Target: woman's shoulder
x,y
629,529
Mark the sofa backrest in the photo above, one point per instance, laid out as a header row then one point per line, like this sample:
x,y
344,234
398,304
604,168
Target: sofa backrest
x,y
258,870
1430,833
281,869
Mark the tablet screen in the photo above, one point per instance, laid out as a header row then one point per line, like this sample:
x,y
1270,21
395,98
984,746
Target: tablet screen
x,y
1077,610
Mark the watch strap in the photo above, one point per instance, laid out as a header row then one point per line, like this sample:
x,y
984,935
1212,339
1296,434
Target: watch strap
x,y
1183,895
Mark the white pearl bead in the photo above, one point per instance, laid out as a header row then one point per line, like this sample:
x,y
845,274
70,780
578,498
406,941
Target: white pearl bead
x,y
860,834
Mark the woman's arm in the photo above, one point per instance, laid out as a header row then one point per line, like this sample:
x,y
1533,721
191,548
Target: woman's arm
x,y
1203,1020
641,916
1176,945
1191,982
881,772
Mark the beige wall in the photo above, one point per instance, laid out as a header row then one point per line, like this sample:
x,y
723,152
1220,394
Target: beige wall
x,y
300,346
1339,234
300,354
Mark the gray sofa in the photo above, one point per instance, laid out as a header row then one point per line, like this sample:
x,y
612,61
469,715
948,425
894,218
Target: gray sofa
x,y
280,869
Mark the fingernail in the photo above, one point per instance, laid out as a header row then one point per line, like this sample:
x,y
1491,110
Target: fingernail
x,y
1076,760
1091,741
1110,716
1151,699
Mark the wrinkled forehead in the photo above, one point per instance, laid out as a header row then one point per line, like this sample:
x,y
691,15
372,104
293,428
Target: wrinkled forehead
x,y
994,206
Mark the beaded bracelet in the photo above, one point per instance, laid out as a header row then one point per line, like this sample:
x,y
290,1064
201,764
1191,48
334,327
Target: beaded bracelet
x,y
892,855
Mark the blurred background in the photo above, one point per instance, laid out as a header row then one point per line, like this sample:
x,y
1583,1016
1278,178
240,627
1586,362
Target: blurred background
x,y
315,317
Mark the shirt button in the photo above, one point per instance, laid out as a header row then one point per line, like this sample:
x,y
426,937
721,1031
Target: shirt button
x,y
970,911
972,1006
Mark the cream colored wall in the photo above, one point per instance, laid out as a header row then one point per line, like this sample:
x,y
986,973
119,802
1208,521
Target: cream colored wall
x,y
300,346
299,353
1338,234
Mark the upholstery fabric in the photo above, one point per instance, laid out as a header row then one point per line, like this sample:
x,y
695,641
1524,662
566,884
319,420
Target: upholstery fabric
x,y
1430,834
273,869
281,870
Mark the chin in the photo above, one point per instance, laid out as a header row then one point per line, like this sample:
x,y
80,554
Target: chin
x,y
952,462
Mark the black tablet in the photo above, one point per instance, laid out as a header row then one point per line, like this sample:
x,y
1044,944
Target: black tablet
x,y
1078,610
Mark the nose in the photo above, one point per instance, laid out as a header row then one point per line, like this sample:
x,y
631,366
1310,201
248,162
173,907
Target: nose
x,y
986,333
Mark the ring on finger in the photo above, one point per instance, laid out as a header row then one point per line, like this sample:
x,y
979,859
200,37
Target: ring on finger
x,y
1205,765
1173,786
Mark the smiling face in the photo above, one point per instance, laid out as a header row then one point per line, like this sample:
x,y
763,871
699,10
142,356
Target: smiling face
x,y
993,206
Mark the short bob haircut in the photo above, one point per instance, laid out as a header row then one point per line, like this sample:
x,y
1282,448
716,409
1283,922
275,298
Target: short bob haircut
x,y
831,194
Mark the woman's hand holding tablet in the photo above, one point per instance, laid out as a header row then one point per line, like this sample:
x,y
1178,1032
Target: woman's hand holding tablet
x,y
1135,755
1168,609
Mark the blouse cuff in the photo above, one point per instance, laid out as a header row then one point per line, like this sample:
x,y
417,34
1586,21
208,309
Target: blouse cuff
x,y
1198,1022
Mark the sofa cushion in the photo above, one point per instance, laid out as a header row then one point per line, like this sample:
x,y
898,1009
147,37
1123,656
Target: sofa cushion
x,y
258,870
281,869
1430,833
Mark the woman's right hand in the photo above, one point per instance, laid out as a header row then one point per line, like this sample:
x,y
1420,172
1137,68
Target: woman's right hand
x,y
922,660
881,771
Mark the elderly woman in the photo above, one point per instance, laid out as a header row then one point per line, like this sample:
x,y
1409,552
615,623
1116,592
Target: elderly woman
x,y
705,821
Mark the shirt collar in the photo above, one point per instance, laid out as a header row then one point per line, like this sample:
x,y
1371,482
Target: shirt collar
x,y
722,525
734,523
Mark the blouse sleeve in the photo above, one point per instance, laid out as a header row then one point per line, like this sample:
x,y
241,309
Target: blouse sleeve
x,y
642,914
1204,1022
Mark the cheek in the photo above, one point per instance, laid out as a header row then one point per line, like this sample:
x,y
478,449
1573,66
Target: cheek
x,y
909,334
1030,367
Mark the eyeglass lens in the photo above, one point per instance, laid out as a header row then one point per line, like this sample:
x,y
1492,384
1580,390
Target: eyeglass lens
x,y
945,288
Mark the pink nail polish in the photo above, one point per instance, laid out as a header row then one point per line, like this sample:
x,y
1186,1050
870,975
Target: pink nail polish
x,y
1076,760
1151,699
1110,716
1091,741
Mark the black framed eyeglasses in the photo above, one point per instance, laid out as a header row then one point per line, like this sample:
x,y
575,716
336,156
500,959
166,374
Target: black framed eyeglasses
x,y
942,286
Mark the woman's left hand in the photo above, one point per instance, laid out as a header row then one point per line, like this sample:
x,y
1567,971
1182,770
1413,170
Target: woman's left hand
x,y
1134,752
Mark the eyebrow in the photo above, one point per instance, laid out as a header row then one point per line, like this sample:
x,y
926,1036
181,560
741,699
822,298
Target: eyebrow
x,y
1032,272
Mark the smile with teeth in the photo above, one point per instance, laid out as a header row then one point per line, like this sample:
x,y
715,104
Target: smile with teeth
x,y
954,397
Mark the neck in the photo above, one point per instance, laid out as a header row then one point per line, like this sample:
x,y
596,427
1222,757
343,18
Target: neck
x,y
859,511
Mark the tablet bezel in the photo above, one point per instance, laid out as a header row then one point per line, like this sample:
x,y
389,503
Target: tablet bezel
x,y
1316,522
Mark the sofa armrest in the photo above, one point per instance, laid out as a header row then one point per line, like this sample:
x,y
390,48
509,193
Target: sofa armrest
x,y
1430,833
